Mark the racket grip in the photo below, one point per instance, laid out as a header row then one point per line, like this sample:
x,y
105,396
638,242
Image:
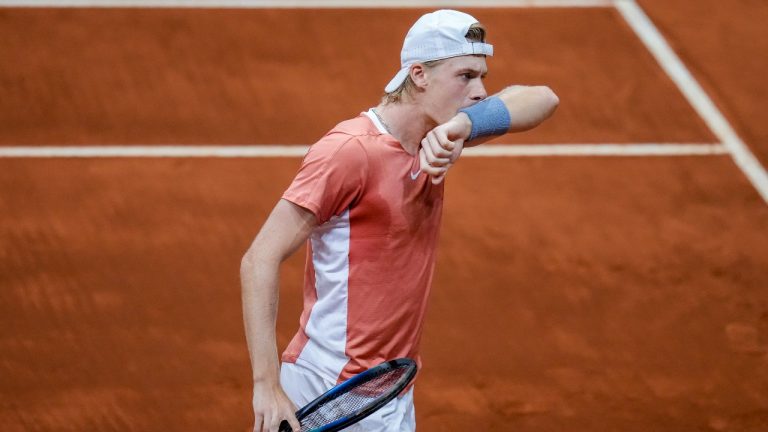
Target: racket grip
x,y
285,427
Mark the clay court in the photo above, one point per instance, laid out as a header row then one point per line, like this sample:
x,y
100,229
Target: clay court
x,y
607,271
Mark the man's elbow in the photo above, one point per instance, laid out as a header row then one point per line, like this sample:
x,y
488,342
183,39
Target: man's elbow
x,y
536,104
247,263
544,102
547,98
253,257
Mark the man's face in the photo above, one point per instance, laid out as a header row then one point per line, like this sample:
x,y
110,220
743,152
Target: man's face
x,y
454,84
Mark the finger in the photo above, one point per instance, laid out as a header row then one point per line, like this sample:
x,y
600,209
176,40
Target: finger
x,y
438,147
273,426
295,425
437,142
257,423
457,151
426,167
426,150
429,147
437,179
442,138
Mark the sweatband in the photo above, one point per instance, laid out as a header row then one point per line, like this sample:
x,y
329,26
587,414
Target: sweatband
x,y
489,117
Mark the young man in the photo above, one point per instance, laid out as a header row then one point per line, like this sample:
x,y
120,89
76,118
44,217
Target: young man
x,y
369,199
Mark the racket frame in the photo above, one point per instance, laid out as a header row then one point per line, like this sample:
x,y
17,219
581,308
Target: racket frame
x,y
362,377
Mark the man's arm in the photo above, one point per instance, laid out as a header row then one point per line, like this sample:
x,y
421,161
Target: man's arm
x,y
527,107
287,228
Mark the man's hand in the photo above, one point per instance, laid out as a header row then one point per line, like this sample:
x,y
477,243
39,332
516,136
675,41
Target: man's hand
x,y
271,406
442,146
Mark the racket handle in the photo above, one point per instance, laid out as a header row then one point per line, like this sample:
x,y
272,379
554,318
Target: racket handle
x,y
285,427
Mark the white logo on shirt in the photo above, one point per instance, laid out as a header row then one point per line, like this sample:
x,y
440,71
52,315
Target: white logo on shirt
x,y
415,175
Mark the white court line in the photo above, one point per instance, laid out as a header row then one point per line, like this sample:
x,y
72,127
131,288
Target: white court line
x,y
697,97
270,151
596,150
264,151
314,4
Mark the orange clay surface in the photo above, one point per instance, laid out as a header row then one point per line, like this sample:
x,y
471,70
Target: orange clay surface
x,y
571,294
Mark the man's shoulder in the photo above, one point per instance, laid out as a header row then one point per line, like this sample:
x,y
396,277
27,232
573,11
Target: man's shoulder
x,y
346,143
348,136
360,126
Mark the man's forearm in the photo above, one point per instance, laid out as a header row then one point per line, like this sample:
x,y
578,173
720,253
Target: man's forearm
x,y
259,279
286,228
526,107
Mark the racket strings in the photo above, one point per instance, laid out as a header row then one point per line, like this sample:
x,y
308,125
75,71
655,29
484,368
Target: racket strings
x,y
354,400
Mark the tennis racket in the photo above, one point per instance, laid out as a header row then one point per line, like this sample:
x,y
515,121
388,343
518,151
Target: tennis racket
x,y
355,398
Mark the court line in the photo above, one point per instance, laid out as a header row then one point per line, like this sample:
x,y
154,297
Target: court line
x,y
270,151
647,149
315,4
697,97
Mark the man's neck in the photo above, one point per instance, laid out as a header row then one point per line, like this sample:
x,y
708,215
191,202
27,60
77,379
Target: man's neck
x,y
407,122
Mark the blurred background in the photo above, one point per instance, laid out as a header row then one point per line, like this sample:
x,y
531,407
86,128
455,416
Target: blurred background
x,y
573,292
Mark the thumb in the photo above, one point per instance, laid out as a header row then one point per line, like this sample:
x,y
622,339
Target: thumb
x,y
443,139
295,425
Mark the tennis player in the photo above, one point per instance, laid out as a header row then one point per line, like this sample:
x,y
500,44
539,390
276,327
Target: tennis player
x,y
367,201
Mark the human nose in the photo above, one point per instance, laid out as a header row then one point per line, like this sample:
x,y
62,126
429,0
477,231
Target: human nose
x,y
478,92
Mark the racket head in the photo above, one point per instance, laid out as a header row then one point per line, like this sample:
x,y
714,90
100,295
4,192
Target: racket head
x,y
357,397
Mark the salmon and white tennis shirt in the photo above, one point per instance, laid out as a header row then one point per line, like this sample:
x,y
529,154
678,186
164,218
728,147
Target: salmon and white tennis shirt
x,y
371,258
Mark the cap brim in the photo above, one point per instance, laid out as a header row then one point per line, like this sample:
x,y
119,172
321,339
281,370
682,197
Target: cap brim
x,y
399,79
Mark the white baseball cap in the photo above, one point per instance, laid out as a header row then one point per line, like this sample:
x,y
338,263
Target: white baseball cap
x,y
435,36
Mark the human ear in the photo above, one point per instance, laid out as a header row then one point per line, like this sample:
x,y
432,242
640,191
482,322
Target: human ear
x,y
418,75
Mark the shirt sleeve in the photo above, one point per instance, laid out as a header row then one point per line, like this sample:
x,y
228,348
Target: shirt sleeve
x,y
331,178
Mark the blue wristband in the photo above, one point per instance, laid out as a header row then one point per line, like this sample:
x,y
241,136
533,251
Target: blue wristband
x,y
489,117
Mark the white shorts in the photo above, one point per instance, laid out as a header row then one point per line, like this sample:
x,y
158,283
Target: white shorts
x,y
303,385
